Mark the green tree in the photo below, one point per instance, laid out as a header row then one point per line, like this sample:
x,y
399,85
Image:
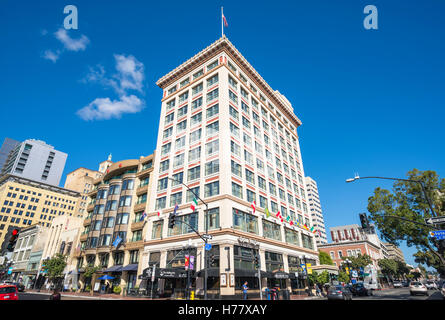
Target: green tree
x,y
358,262
343,277
55,266
388,267
402,269
408,201
325,258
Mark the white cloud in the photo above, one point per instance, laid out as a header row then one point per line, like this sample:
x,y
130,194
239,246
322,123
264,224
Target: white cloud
x,y
50,55
70,43
104,108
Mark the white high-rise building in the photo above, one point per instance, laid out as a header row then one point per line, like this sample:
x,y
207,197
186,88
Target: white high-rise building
x,y
232,139
315,210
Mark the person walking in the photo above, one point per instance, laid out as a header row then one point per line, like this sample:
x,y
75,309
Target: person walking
x,y
245,288
317,290
55,295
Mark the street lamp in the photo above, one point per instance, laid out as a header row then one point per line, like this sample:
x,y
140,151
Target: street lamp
x,y
207,231
422,184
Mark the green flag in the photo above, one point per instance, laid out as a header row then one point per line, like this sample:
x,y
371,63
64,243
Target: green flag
x,y
267,212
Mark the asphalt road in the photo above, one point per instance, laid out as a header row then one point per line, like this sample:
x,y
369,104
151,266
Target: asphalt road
x,y
45,296
400,294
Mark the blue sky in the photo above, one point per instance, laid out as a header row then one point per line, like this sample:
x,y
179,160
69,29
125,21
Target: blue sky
x,y
371,101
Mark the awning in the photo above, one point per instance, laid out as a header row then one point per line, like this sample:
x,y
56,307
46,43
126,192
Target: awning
x,y
249,273
211,272
278,275
113,269
131,267
167,273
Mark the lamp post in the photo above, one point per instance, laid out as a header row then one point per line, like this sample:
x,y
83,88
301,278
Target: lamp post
x,y
206,230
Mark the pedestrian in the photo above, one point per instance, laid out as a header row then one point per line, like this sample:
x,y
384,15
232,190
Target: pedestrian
x,y
55,295
245,288
107,287
48,285
317,290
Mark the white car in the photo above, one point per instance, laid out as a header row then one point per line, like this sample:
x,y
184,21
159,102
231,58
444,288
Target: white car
x,y
397,284
431,285
416,287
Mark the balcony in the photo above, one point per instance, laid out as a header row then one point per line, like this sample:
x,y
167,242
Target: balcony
x,y
142,189
134,245
140,206
86,222
83,237
90,206
138,225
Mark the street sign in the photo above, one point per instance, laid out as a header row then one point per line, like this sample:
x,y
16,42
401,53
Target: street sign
x,y
439,235
354,274
207,236
435,220
208,246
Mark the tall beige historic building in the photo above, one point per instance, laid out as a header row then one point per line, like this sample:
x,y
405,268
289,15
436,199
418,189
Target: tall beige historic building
x,y
394,252
232,139
116,210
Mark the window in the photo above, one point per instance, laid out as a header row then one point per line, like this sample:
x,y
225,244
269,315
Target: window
x,y
164,165
212,80
111,205
212,128
194,173
197,89
183,97
291,236
179,179
234,130
213,65
167,133
183,228
235,149
212,167
212,147
128,184
213,218
236,168
179,143
181,126
114,189
162,184
156,232
211,189
237,190
195,135
262,183
271,230
196,103
244,221
260,165
194,154
196,119
182,111
234,113
248,157
212,95
171,90
191,195
212,111
233,83
250,176
125,201
161,203
122,218
247,139
171,104
165,149
198,74
178,160
251,196
184,82
233,97
175,198
246,123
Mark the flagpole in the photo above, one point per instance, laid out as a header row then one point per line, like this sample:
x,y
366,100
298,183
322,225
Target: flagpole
x,y
222,22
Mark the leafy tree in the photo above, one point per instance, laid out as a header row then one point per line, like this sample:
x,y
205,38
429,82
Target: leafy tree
x,y
325,258
402,269
343,277
388,267
55,266
358,262
319,278
90,270
408,201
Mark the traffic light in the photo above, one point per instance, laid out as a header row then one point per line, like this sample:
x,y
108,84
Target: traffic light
x,y
171,220
364,220
257,261
13,239
212,259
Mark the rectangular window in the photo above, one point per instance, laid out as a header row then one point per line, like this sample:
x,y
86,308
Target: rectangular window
x,y
212,95
181,126
194,173
234,130
235,149
212,80
244,221
250,176
175,199
194,154
211,189
271,230
196,119
195,136
233,113
157,229
196,103
197,89
212,111
182,111
236,168
212,128
212,147
213,218
212,167
237,190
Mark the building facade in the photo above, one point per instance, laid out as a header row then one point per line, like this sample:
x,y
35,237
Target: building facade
x,y
81,180
315,210
25,202
232,139
7,146
36,160
394,252
116,211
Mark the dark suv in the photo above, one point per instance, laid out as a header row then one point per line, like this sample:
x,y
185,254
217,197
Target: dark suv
x,y
358,289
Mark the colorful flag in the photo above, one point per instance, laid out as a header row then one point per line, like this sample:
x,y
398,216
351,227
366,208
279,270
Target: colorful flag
x,y
312,229
143,216
288,218
159,213
187,262
291,222
117,241
176,208
267,212
225,21
253,205
278,214
193,205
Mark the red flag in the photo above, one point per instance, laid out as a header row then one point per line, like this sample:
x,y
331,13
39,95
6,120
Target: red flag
x,y
278,214
159,213
253,205
225,21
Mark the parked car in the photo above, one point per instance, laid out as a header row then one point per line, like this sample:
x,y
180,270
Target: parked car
x,y
397,284
359,289
339,293
8,292
20,286
431,285
417,287
405,284
442,290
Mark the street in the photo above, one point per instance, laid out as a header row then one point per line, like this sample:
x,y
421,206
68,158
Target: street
x,y
399,294
45,296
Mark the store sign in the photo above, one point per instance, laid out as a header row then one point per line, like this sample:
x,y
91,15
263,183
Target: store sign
x,y
281,275
248,243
